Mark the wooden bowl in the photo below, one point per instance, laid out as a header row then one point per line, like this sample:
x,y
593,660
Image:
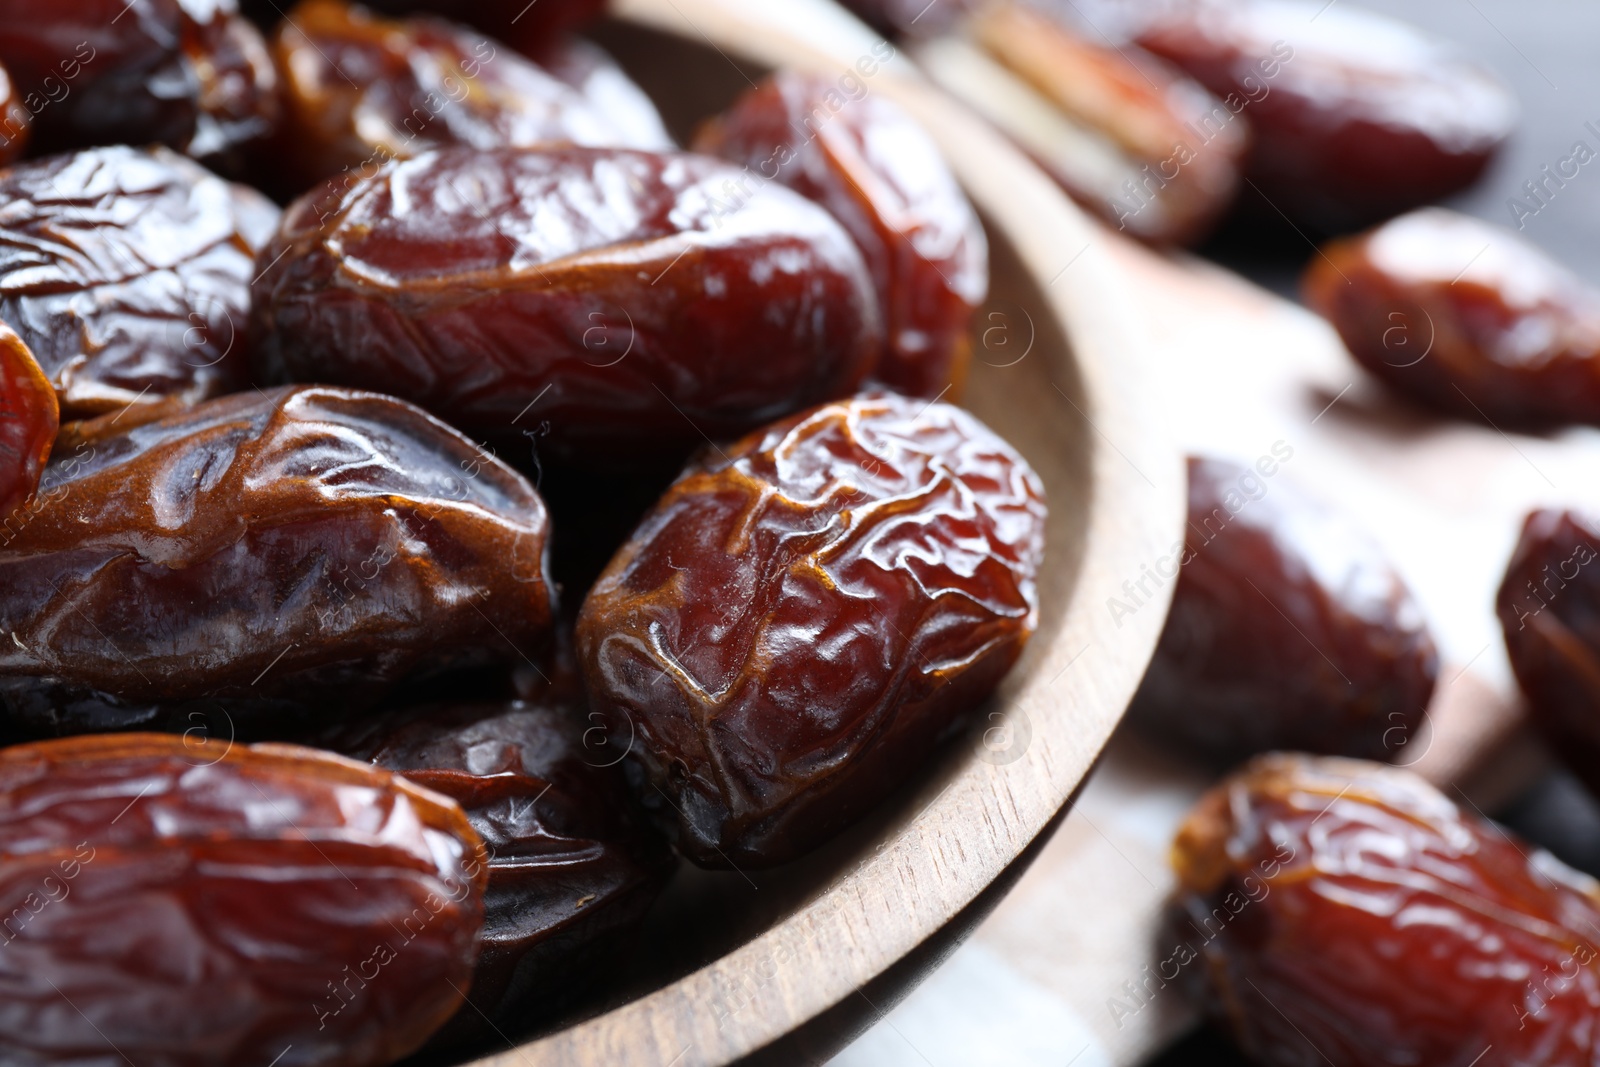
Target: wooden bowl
x,y
789,963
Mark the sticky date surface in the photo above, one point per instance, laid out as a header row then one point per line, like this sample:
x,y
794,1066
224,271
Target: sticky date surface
x,y
29,419
1288,629
881,175
269,555
1549,608
806,612
360,89
1351,909
181,904
572,867
615,294
191,74
126,271
1465,317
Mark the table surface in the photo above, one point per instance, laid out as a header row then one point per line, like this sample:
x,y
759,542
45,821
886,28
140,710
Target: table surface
x,y
974,1011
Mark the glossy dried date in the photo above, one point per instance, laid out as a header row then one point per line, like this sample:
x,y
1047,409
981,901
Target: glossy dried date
x,y
1347,912
614,294
267,555
572,867
191,74
807,612
589,69
1465,317
359,89
1125,134
1549,608
188,904
127,271
1288,629
1356,116
28,424
16,121
879,173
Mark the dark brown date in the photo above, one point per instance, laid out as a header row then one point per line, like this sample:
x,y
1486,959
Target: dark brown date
x,y
1466,318
1356,116
29,420
806,613
177,904
589,69
1549,608
16,121
267,556
572,867
360,89
879,173
1127,135
1347,912
191,74
618,296
127,271
1288,629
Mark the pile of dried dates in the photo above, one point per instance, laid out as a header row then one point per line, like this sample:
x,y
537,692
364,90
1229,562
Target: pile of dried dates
x,y
432,501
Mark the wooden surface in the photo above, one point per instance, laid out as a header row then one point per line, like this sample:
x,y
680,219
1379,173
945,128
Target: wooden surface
x,y
1060,365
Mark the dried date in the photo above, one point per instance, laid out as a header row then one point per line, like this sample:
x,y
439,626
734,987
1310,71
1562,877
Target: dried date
x,y
28,423
1549,608
572,867
868,162
1466,318
177,904
526,25
589,69
1347,912
272,556
805,613
191,74
1127,135
126,271
612,294
1356,116
1288,629
360,89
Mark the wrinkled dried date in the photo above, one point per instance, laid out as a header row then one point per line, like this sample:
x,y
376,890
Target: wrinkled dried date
x,y
359,89
1549,608
28,423
190,74
127,271
881,175
1465,317
807,612
267,555
572,868
1347,912
1355,116
16,121
1130,137
199,904
613,294
1288,629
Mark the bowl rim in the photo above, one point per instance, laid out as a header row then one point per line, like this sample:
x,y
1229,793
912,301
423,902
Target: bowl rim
x,y
932,867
